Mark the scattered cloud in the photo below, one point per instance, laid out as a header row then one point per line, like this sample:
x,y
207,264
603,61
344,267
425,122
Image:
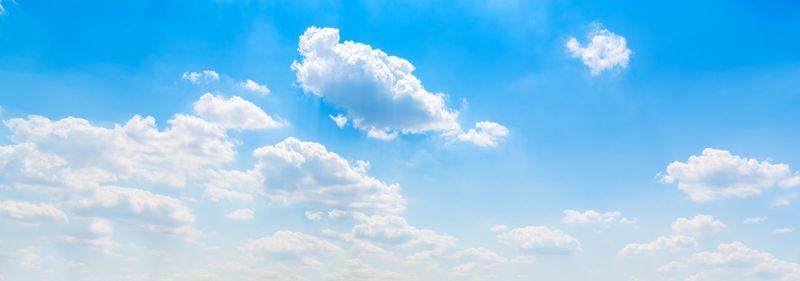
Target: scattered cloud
x,y
252,86
735,259
204,76
784,230
340,120
234,113
590,217
292,243
700,224
718,174
487,134
605,51
755,220
541,239
31,213
241,214
671,243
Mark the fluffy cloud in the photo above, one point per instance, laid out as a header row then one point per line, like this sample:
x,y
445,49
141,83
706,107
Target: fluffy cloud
x,y
74,153
252,86
700,224
297,172
605,51
204,76
478,255
487,134
131,204
737,259
589,217
394,229
718,174
31,213
241,214
378,92
234,113
291,243
671,243
541,239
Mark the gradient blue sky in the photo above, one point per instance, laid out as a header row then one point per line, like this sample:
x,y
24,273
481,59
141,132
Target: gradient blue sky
x,y
712,74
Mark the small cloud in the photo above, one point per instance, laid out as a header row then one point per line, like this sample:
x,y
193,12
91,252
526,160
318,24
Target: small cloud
x,y
255,87
784,230
340,120
755,220
487,134
314,216
204,76
605,51
241,214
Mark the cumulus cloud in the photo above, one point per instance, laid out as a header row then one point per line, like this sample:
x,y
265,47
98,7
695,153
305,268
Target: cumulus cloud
x,y
241,214
487,134
291,243
605,51
718,174
252,86
478,255
700,224
234,113
298,172
736,259
378,92
672,243
204,76
541,239
395,230
589,217
136,205
31,213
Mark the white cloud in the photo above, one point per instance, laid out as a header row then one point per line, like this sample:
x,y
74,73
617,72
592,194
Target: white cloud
x,y
297,172
394,229
314,216
234,113
718,174
784,230
755,220
541,239
340,120
378,91
72,152
672,243
700,224
204,76
589,217
101,227
478,255
357,270
255,87
487,134
136,205
31,213
286,242
524,259
737,259
605,51
241,214
498,228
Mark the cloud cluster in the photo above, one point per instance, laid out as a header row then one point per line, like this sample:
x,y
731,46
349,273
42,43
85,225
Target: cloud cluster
x,y
736,259
31,213
699,224
590,217
718,174
672,243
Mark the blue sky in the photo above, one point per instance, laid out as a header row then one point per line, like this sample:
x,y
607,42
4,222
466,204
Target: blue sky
x,y
496,140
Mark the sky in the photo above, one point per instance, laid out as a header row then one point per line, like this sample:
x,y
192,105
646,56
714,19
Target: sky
x,y
408,140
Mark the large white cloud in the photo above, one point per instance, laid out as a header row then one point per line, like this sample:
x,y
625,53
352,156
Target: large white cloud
x,y
31,213
671,243
298,172
605,51
718,174
541,239
378,92
699,224
234,113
